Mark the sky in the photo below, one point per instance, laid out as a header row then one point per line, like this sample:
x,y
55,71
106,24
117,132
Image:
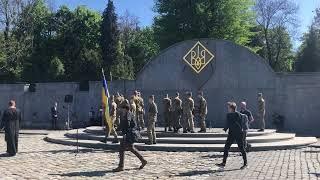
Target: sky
x,y
143,10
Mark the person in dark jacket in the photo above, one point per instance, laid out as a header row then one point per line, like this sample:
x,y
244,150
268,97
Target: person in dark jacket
x,y
127,126
234,124
10,122
54,116
244,110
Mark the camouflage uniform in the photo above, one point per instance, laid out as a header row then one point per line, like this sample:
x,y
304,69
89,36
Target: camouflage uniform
x,y
152,119
133,108
176,113
261,112
119,100
113,116
203,111
166,112
188,107
140,111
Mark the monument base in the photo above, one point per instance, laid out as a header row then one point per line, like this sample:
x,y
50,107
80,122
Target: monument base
x,y
213,140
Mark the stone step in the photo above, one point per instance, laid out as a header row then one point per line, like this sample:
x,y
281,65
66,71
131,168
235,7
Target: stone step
x,y
186,140
214,132
296,142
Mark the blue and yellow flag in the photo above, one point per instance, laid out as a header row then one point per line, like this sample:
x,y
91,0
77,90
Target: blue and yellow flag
x,y
105,103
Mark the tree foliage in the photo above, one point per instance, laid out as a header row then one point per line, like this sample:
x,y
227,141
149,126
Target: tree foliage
x,y
179,20
309,54
277,19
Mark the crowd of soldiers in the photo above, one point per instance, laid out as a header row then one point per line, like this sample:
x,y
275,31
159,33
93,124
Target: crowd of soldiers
x,y
178,113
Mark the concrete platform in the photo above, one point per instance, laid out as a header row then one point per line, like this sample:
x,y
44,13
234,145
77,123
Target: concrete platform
x,y
213,141
296,142
213,132
187,140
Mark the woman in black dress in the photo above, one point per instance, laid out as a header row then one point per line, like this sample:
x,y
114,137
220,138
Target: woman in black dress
x,y
129,130
10,123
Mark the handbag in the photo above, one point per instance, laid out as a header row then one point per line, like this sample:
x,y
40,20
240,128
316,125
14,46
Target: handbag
x,y
133,134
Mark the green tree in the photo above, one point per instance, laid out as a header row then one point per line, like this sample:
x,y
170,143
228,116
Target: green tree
x,y
109,40
56,69
142,47
276,19
33,34
77,42
309,54
179,20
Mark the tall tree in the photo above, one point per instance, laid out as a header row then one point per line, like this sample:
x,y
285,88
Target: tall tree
x,y
276,18
142,47
309,54
109,41
179,20
10,59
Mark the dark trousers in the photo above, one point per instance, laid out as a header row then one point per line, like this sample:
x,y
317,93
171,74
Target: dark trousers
x,y
124,146
54,123
238,137
245,142
12,144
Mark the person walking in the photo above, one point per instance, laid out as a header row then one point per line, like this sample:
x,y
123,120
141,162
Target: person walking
x,y
234,125
249,119
128,126
11,123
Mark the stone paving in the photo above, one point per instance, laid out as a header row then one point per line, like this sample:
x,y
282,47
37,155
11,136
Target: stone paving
x,y
38,159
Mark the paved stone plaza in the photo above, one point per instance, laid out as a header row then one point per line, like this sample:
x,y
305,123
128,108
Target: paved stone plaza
x,y
38,159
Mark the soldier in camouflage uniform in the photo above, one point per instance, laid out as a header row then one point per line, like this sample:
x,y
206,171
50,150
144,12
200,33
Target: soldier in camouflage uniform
x,y
118,101
203,111
261,112
113,116
139,109
133,108
152,119
176,113
188,107
166,113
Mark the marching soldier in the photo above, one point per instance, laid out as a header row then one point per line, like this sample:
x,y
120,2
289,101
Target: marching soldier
x,y
188,107
113,116
261,112
152,119
166,113
176,112
203,111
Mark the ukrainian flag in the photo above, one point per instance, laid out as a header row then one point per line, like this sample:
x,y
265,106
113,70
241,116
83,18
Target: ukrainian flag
x,y
105,103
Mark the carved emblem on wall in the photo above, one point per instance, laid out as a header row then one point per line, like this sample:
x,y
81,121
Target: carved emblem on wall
x,y
198,57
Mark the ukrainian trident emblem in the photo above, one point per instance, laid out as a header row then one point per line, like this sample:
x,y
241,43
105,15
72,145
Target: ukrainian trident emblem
x,y
198,57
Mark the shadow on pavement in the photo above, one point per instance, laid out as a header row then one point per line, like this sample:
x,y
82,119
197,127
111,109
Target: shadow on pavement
x,y
311,151
316,174
89,173
194,173
5,155
69,151
86,174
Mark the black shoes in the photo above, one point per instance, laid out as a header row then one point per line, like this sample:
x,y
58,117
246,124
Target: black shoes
x,y
222,165
244,166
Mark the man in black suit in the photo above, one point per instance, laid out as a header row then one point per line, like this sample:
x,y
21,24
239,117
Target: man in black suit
x,y
234,124
54,116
